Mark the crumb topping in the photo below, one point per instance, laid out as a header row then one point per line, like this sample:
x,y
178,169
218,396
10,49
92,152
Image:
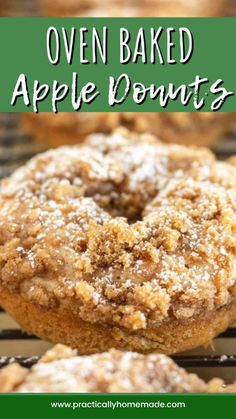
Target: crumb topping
x,y
110,372
62,371
11,377
125,230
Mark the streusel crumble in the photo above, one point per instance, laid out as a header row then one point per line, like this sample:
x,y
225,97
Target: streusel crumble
x,y
123,232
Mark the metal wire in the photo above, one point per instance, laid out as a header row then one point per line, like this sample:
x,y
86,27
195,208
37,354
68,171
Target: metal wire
x,y
183,360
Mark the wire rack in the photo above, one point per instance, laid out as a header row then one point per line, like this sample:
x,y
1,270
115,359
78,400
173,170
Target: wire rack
x,y
16,147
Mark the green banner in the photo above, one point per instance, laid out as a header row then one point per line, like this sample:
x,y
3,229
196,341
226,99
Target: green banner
x,y
114,65
118,406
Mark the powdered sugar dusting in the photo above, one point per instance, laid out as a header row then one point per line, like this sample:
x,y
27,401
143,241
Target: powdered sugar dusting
x,y
126,230
108,372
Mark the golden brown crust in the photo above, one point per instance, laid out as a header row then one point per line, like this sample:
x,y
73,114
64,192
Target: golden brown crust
x,y
133,8
181,128
61,326
124,233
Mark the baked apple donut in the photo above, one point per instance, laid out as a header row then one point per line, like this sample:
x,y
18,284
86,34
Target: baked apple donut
x,y
62,371
176,127
122,242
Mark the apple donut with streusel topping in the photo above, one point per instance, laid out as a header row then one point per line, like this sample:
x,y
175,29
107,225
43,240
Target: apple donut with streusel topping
x,y
62,371
121,242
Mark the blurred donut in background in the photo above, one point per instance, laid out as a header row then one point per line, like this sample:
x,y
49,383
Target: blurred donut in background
x,y
184,128
189,8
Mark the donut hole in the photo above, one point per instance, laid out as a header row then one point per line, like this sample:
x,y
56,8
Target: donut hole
x,y
120,203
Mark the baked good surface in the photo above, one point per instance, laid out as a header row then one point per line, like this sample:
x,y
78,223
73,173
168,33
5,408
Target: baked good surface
x,y
132,8
62,371
183,128
121,242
